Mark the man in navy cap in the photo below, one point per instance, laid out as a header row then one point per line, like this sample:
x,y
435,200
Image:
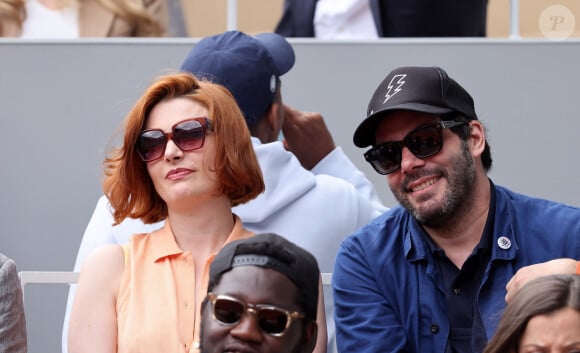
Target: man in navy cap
x,y
314,195
430,275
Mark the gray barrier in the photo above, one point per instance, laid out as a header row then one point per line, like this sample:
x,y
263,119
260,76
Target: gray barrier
x,y
62,102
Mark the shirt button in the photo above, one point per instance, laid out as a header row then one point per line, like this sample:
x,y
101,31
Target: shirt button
x,y
456,291
434,328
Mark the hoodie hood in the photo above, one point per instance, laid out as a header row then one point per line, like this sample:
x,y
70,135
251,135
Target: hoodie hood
x,y
285,179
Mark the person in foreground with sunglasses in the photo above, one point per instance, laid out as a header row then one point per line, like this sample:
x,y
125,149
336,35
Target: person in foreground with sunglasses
x,y
262,297
186,158
544,316
430,275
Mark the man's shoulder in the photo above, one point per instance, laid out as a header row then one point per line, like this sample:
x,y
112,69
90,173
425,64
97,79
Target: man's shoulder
x,y
535,217
533,203
385,230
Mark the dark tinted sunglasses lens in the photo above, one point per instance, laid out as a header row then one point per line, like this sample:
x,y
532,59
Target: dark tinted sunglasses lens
x,y
228,311
272,321
424,142
385,158
189,135
151,145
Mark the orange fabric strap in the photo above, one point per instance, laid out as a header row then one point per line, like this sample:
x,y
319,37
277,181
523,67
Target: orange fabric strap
x,y
578,268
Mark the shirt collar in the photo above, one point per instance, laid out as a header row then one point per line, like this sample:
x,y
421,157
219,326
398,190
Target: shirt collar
x,y
164,244
418,242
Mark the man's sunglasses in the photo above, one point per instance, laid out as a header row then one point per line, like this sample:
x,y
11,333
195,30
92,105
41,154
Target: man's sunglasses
x,y
271,319
423,142
188,135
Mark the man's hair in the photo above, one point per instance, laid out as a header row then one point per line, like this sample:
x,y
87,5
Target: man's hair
x,y
463,132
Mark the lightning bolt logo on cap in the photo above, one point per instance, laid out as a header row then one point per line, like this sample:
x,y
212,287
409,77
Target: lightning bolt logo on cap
x,y
399,81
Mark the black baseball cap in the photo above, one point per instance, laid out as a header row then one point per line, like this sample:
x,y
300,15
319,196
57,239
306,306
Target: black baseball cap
x,y
275,252
423,89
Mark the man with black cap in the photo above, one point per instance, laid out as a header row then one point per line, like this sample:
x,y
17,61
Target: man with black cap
x,y
309,181
431,274
262,297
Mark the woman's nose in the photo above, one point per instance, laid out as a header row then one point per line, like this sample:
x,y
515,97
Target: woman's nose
x,y
172,152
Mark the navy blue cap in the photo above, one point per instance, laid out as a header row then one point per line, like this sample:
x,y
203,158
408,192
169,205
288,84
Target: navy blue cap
x,y
247,66
423,89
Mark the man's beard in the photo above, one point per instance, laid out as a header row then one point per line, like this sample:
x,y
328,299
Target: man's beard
x,y
457,197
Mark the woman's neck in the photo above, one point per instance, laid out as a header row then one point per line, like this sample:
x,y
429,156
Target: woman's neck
x,y
203,229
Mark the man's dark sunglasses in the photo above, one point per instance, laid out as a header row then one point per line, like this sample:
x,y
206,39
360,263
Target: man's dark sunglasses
x,y
271,319
423,142
188,135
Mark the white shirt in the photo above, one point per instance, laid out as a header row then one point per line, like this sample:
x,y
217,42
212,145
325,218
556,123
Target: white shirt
x,y
44,23
344,19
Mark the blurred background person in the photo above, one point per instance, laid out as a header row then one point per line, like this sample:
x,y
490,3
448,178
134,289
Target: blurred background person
x,y
348,19
543,316
12,319
70,19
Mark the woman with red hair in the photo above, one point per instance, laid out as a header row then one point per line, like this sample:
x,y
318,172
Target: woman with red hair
x,y
187,159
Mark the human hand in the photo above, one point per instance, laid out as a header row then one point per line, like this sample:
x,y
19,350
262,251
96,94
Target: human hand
x,y
306,135
528,273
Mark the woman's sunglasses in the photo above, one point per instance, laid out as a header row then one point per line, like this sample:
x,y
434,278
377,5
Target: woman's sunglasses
x,y
188,135
423,142
271,319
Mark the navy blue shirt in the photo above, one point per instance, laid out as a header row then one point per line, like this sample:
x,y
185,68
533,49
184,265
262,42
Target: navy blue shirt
x,y
461,286
387,287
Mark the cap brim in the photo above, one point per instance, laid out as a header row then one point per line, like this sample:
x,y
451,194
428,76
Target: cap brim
x,y
364,135
281,51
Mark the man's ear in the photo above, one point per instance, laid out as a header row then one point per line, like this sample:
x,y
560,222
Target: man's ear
x,y
309,338
274,121
477,137
269,125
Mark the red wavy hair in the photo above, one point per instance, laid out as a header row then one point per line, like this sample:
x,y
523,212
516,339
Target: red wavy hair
x,y
127,183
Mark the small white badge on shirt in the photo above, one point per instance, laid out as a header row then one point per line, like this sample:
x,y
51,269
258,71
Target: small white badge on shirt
x,y
504,243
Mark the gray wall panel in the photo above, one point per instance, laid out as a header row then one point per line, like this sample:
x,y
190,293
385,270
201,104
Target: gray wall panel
x,y
62,103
